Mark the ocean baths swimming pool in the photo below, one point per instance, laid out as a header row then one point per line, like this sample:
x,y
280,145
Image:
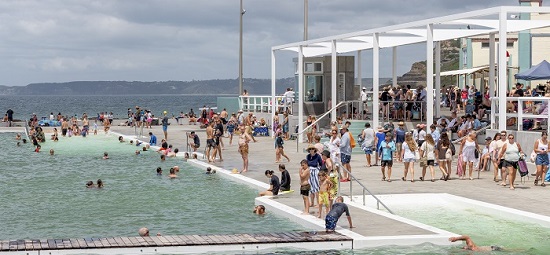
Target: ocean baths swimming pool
x,y
44,196
488,224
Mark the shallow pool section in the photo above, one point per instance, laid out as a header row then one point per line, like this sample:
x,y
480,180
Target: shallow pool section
x,y
44,196
518,231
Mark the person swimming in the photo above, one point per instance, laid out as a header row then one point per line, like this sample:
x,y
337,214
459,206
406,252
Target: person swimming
x,y
209,170
159,171
470,245
52,152
259,209
105,155
121,139
172,174
99,183
90,184
138,152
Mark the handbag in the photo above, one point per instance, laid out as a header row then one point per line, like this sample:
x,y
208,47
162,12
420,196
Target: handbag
x,y
449,154
533,156
522,168
424,158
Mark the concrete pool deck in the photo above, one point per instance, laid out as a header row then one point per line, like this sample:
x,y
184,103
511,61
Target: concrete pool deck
x,y
370,229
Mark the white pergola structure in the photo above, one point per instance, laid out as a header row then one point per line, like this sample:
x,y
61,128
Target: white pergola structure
x,y
493,22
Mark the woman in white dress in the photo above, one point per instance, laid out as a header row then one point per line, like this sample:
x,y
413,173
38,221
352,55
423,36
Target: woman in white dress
x,y
408,154
467,152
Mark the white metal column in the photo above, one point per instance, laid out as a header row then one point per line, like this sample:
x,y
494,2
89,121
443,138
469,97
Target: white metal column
x,y
375,79
360,83
300,93
502,81
273,83
394,67
437,79
492,79
429,75
333,80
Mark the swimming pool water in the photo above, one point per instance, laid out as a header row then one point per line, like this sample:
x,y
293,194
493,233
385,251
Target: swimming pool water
x,y
43,196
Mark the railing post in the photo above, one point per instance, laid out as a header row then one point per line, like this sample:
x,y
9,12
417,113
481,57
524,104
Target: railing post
x,y
520,115
350,191
363,196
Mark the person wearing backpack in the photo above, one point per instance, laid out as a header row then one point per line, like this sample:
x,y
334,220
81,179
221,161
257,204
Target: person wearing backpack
x,y
512,152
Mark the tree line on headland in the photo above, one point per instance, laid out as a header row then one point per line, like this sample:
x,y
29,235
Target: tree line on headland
x,y
195,87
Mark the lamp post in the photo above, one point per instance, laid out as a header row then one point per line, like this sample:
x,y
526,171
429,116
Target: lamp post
x,y
241,13
305,19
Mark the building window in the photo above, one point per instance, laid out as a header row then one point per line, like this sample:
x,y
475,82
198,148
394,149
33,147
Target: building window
x,y
313,88
313,67
508,45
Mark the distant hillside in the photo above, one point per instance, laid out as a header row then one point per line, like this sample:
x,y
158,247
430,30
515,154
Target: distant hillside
x,y
210,87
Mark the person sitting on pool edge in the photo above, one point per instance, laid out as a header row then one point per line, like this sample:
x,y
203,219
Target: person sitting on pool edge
x,y
274,184
338,208
259,209
145,232
470,245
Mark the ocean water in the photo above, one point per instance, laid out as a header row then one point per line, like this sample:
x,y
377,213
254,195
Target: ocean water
x,y
25,106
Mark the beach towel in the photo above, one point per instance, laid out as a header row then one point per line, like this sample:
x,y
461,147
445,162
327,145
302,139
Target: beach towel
x,y
459,169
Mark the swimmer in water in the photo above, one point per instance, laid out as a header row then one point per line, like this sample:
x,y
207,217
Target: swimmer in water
x,y
18,143
24,140
172,174
105,155
138,152
259,209
159,171
210,171
38,147
121,139
52,152
176,169
99,183
18,136
90,184
162,157
470,245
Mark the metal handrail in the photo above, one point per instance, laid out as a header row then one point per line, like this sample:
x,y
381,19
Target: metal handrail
x,y
27,130
315,122
378,201
477,131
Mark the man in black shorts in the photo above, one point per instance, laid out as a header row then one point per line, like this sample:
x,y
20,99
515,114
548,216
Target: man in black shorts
x,y
10,116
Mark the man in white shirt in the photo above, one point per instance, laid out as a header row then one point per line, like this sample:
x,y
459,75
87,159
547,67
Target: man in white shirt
x,y
364,99
368,142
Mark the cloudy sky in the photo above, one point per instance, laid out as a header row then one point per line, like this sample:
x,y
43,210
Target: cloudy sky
x,y
159,40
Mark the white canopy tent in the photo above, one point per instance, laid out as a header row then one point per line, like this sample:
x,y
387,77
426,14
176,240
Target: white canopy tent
x,y
492,22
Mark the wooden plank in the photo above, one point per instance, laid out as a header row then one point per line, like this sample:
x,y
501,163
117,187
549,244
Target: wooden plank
x,y
134,241
199,239
82,243
89,242
179,240
119,242
105,242
35,244
141,241
51,244
170,240
44,244
21,245
67,244
164,241
13,245
187,239
4,246
217,239
126,242
28,245
97,242
74,243
155,241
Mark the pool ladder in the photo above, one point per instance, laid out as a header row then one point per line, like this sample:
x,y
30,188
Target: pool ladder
x,y
378,201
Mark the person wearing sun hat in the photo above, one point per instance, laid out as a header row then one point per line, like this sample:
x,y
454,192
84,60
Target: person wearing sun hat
x,y
314,162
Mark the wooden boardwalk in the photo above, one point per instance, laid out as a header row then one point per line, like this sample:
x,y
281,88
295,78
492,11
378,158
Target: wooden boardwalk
x,y
163,241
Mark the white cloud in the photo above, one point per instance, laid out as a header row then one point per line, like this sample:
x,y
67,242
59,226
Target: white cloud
x,y
64,40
